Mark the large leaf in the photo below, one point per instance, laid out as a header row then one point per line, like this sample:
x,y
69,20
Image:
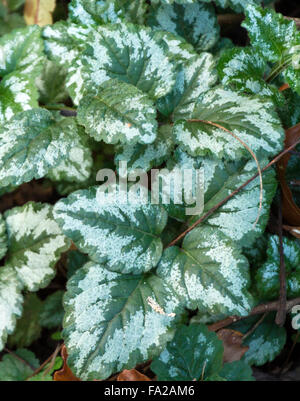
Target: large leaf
x,y
131,54
125,235
197,23
194,354
252,119
88,12
35,244
109,324
197,76
3,238
32,143
10,302
267,276
208,273
118,112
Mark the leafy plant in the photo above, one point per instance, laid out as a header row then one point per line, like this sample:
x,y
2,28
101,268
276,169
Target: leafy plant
x,y
153,85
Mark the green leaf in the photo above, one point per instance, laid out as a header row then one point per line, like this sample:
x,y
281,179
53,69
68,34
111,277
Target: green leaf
x,y
237,371
77,164
252,119
265,343
125,235
88,12
208,273
11,301
196,23
17,93
244,70
3,238
278,40
45,375
51,84
32,143
109,324
10,22
194,354
14,369
52,312
267,276
35,244
28,328
197,76
147,156
22,51
75,261
130,53
118,112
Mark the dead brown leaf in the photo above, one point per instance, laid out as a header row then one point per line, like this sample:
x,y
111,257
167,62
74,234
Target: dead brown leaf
x,y
295,231
39,12
132,375
232,342
65,374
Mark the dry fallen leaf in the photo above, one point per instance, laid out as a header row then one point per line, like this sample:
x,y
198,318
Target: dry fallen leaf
x,y
39,12
232,342
132,375
295,231
65,374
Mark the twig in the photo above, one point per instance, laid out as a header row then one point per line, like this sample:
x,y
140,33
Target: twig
x,y
45,363
281,313
19,358
255,326
263,308
236,191
54,355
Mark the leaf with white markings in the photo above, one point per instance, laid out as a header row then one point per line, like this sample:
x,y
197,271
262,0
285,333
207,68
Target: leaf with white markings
x,y
35,243
131,54
194,354
124,235
196,23
208,273
88,12
118,112
252,119
3,238
109,324
32,143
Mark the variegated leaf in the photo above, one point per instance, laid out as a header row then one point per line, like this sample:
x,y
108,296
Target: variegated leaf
x,y
118,112
35,243
130,53
252,119
86,12
109,323
208,273
123,234
32,143
3,238
196,23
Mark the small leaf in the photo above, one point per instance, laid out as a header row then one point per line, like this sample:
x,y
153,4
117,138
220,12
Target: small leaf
x,y
12,368
124,235
132,375
109,324
118,112
267,276
195,353
39,12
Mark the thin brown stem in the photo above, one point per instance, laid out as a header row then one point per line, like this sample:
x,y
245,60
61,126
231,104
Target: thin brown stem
x,y
255,326
41,367
236,191
263,308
